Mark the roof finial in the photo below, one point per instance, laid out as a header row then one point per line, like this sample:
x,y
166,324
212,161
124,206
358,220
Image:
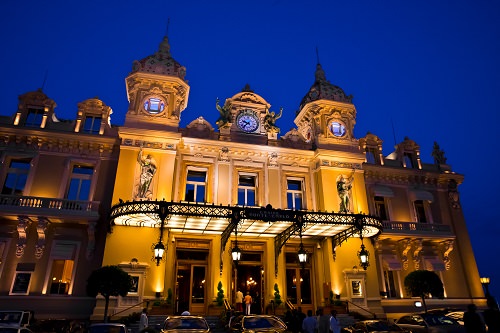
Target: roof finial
x,y
317,54
45,79
168,24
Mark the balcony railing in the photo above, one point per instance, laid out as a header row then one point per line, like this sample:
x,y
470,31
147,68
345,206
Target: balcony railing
x,y
46,206
416,228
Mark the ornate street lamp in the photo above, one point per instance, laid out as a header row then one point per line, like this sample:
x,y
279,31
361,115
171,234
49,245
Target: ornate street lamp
x,y
159,248
363,256
302,253
236,252
485,281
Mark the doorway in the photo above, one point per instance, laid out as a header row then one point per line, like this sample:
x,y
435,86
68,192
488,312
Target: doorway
x,y
190,287
249,279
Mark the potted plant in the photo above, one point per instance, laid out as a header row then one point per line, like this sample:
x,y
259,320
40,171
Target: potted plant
x,y
276,302
216,307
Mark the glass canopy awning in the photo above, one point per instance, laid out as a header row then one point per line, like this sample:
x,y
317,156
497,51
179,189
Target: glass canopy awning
x,y
210,219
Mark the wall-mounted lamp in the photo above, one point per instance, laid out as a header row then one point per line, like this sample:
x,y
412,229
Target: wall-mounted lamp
x,y
236,252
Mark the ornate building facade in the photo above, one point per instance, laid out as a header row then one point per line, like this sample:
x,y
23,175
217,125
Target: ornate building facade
x,y
185,200
57,178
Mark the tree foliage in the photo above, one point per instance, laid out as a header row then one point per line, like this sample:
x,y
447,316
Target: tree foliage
x,y
277,296
109,281
423,283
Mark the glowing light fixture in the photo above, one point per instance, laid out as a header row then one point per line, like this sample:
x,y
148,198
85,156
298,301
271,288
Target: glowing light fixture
x,y
363,255
236,252
159,248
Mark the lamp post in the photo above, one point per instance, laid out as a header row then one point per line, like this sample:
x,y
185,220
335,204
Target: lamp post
x,y
485,281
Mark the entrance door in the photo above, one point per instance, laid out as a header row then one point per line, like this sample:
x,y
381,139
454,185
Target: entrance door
x,y
249,279
298,287
190,288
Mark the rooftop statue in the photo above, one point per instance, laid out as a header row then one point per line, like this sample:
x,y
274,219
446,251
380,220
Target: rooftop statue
x,y
224,114
270,121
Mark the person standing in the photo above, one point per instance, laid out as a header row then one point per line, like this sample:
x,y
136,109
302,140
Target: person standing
x,y
310,323
472,320
239,301
323,322
143,321
248,303
334,323
492,316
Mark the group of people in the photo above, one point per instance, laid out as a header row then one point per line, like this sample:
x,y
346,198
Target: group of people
x,y
240,300
321,322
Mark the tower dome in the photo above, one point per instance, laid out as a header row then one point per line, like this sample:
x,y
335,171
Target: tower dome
x,y
323,89
160,62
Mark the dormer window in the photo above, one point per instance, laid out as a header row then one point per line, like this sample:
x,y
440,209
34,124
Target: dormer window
x,y
92,124
34,117
409,160
372,156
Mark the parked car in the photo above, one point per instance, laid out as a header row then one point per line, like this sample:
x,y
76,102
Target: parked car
x,y
374,326
185,324
430,323
108,328
253,323
15,321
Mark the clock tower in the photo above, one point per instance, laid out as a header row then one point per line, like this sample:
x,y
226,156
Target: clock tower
x,y
157,91
247,117
327,115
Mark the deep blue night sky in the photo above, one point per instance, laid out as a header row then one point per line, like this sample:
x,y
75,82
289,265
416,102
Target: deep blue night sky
x,y
430,68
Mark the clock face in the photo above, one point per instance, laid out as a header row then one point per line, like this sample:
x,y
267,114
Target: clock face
x,y
337,129
154,105
247,122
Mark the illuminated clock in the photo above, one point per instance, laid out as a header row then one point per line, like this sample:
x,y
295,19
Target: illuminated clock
x,y
337,129
154,105
247,121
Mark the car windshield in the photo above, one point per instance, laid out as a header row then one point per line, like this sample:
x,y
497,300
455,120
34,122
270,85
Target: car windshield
x,y
381,326
106,329
10,317
435,320
262,322
186,324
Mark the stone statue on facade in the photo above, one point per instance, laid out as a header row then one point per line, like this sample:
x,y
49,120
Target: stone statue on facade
x,y
148,170
438,154
344,186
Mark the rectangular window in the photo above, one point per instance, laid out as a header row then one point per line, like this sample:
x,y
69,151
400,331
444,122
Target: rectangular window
x,y
371,156
63,260
79,185
246,190
21,283
381,208
17,174
92,124
294,193
196,186
22,279
62,270
420,211
390,284
34,117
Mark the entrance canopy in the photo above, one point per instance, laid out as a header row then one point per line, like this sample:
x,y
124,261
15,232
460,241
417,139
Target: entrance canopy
x,y
196,218
280,224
